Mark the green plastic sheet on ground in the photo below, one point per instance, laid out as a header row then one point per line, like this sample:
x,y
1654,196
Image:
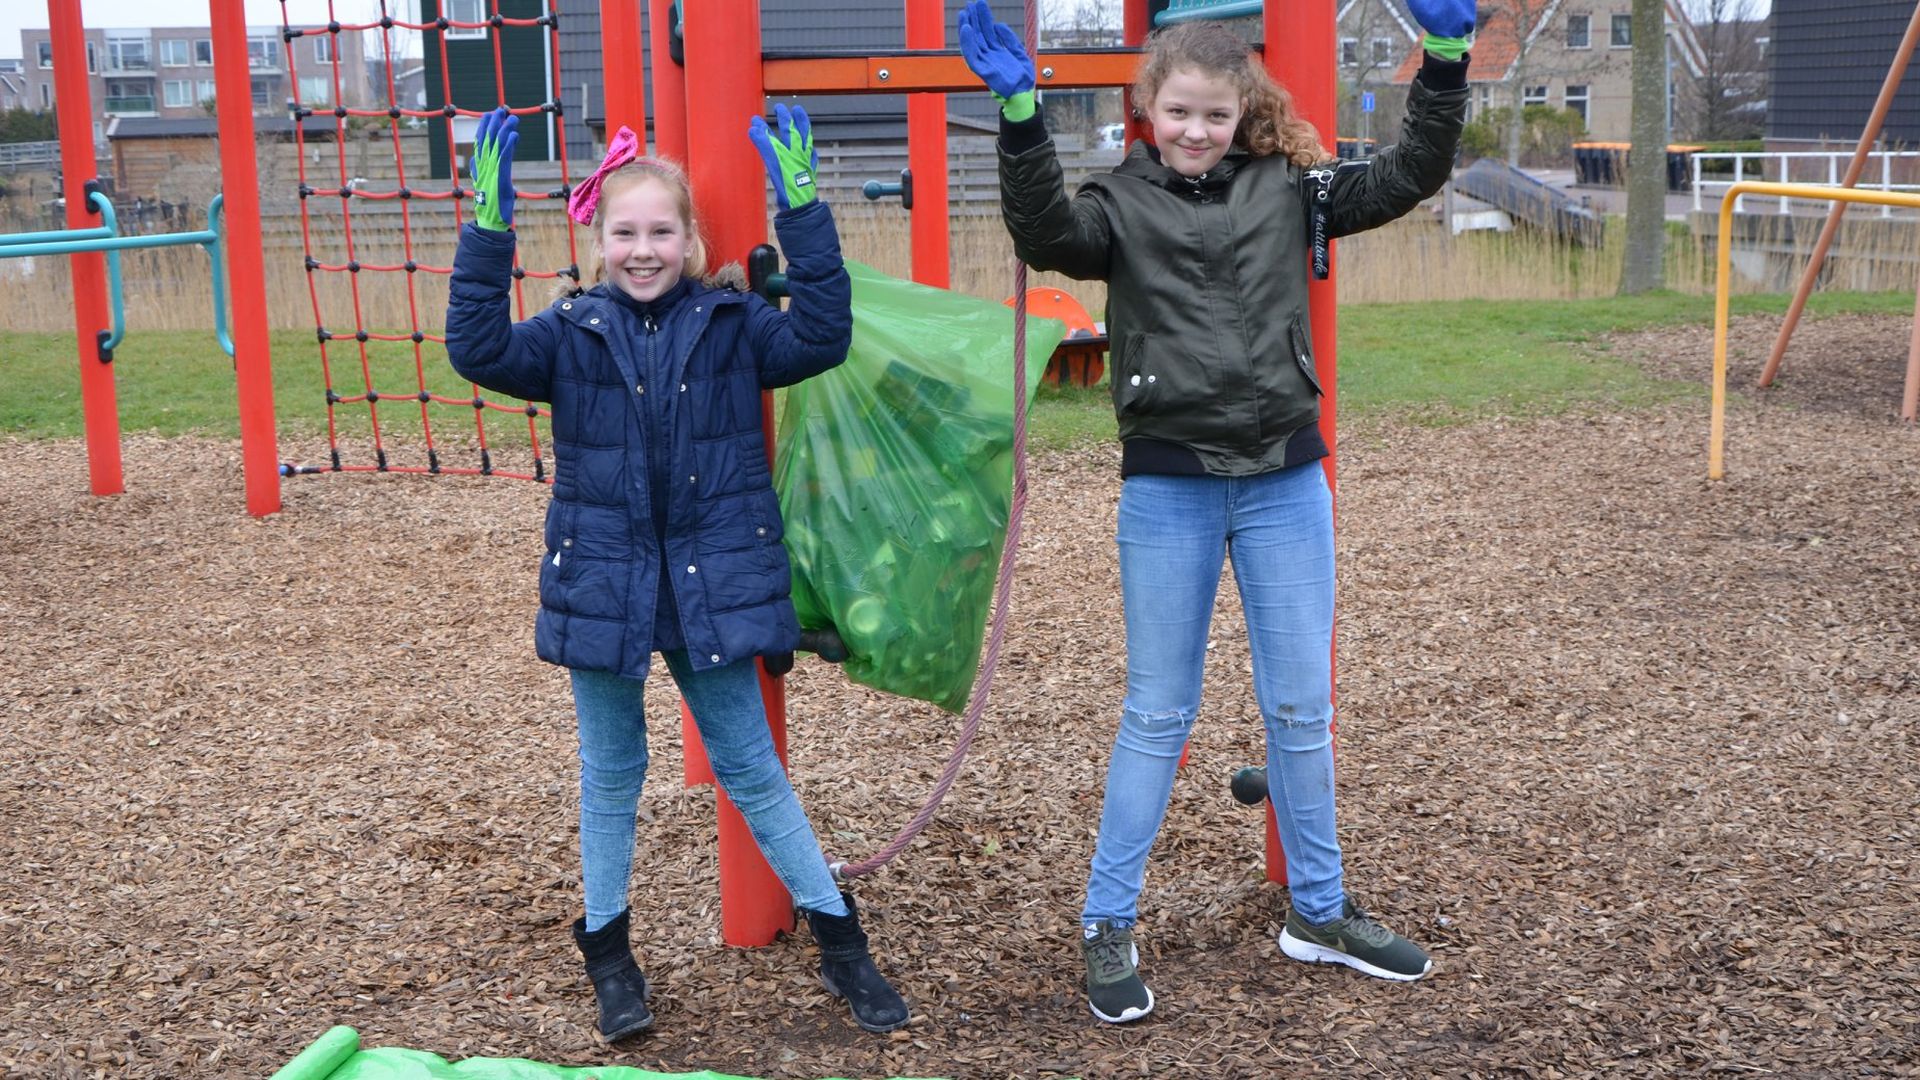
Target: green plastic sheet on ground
x,y
895,474
336,1055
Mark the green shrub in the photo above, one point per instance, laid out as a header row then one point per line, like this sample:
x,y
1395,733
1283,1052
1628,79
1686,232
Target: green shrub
x,y
1547,134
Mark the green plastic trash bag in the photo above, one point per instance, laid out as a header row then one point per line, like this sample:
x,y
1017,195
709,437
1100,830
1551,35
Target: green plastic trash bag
x,y
895,474
337,1055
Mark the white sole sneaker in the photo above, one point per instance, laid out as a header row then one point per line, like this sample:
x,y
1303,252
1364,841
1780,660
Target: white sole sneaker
x,y
1130,1013
1311,953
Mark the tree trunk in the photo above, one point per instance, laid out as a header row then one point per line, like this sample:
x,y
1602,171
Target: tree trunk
x,y
1647,161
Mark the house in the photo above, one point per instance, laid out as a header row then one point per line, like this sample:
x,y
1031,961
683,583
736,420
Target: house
x,y
166,72
176,161
13,84
1827,61
1374,38
786,26
1570,54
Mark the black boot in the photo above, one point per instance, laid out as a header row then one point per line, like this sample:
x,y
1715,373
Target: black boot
x,y
848,972
617,983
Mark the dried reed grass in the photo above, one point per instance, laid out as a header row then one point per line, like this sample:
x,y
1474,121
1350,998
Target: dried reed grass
x,y
1412,260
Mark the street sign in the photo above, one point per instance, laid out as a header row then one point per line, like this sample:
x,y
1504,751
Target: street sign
x,y
1366,101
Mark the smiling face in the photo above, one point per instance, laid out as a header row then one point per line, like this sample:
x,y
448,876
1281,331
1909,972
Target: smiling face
x,y
643,239
1194,117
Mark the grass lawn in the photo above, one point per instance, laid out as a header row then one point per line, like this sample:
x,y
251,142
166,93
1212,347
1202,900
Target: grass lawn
x,y
1437,362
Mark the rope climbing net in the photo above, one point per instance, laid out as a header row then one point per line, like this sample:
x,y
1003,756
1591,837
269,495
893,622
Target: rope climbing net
x,y
366,364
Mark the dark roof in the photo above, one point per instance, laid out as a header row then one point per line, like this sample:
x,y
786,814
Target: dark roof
x,y
200,127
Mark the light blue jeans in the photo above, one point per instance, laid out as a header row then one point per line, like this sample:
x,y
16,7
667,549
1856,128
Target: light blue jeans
x,y
1175,533
732,720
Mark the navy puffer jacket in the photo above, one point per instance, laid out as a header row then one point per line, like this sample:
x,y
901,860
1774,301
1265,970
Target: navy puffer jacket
x,y
600,575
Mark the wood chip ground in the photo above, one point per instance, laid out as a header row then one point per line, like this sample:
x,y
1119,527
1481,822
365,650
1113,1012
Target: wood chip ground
x,y
1632,752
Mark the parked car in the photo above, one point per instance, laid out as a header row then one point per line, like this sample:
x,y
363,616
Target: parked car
x,y
1112,137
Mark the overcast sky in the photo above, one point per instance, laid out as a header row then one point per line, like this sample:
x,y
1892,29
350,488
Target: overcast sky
x,y
18,14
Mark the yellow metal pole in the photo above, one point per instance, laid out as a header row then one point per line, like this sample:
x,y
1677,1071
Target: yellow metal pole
x,y
1716,433
1723,263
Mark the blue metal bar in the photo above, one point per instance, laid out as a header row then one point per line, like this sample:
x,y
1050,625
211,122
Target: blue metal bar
x,y
112,243
1208,9
9,239
220,324
104,207
107,238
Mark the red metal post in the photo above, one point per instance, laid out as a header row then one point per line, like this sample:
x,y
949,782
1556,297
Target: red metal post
x,y
73,115
1135,24
620,66
246,262
730,194
669,87
927,153
670,141
1301,37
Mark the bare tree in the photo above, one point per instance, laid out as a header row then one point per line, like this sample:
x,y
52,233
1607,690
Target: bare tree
x,y
1647,163
1731,97
1366,68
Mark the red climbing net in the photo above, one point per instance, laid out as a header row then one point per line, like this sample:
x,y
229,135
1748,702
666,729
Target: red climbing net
x,y
330,245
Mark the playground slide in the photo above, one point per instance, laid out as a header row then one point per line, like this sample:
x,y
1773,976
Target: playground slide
x,y
1530,201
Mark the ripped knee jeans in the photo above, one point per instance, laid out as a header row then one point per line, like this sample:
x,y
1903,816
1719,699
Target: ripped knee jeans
x,y
1175,534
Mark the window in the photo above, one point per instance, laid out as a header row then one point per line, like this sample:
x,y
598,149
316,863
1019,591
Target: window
x,y
46,96
93,59
1383,50
178,93
1577,100
1533,95
176,52
263,52
316,89
262,93
1579,31
44,51
468,11
206,91
1622,32
1349,53
203,52
129,55
323,49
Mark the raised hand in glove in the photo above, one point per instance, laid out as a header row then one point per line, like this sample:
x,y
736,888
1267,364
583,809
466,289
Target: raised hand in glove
x,y
1448,23
790,157
491,168
994,53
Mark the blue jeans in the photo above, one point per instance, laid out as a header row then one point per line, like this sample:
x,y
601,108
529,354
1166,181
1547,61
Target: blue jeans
x,y
1175,533
732,720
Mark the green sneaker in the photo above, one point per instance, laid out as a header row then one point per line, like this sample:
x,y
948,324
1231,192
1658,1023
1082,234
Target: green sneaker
x,y
1114,990
1357,941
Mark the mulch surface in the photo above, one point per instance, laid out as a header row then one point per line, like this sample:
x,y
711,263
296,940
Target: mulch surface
x,y
1632,752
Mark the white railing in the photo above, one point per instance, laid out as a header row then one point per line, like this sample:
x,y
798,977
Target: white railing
x,y
1802,167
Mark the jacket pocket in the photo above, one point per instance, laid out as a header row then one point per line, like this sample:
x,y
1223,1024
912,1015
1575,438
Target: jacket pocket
x,y
1303,353
1135,382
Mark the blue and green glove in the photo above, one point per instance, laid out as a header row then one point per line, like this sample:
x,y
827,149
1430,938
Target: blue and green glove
x,y
1448,23
491,168
791,158
995,54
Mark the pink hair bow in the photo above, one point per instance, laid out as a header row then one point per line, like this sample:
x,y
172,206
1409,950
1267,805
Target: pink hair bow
x,y
585,199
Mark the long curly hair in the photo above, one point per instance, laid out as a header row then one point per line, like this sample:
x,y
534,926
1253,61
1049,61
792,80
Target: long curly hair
x,y
1269,125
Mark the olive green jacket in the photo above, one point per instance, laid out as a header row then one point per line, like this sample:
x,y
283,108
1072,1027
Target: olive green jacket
x,y
1207,277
